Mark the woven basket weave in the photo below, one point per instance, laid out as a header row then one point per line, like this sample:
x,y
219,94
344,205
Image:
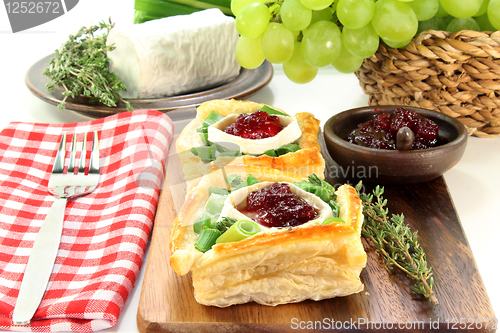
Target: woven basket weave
x,y
457,74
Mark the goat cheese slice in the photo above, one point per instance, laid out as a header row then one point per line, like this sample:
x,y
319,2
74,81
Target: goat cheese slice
x,y
174,55
236,198
290,133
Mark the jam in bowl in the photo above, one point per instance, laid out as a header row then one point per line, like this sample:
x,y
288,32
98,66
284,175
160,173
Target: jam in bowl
x,y
391,166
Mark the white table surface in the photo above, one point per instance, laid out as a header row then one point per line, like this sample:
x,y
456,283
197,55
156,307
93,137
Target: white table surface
x,y
473,182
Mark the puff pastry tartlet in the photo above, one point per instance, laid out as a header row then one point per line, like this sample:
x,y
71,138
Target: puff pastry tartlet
x,y
301,163
276,265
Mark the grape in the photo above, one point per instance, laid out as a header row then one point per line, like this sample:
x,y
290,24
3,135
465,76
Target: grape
x,y
396,45
362,42
461,8
237,5
277,43
321,44
484,23
441,12
394,21
252,20
321,15
355,13
484,7
458,24
424,9
347,62
494,13
316,4
294,15
296,69
435,23
249,52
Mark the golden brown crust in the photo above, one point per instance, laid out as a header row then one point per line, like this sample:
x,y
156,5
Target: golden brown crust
x,y
226,107
279,265
301,164
310,131
331,255
182,235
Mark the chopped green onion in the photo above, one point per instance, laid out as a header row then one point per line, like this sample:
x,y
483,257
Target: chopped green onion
x,y
230,153
211,211
203,134
271,152
285,149
212,118
250,180
238,231
205,153
234,180
270,110
215,203
331,220
207,239
216,190
321,192
203,222
288,148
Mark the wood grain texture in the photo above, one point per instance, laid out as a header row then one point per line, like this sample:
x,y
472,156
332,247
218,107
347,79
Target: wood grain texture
x,y
167,303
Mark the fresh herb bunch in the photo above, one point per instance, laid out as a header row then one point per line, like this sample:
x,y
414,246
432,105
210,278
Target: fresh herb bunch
x,y
81,67
395,242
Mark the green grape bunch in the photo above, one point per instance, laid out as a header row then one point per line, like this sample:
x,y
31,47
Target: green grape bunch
x,y
306,35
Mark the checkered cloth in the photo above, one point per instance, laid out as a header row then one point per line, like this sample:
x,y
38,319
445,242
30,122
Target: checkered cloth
x,y
105,232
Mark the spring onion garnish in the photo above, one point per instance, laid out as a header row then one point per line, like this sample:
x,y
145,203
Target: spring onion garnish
x,y
332,220
211,211
207,239
270,110
324,190
250,180
238,231
288,148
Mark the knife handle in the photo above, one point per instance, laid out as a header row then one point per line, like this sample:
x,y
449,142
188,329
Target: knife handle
x,y
40,264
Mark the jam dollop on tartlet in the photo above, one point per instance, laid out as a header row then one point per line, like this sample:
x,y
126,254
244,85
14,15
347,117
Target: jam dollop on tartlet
x,y
257,125
276,206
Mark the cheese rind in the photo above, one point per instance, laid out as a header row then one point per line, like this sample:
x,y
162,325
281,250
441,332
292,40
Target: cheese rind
x,y
175,55
290,133
239,196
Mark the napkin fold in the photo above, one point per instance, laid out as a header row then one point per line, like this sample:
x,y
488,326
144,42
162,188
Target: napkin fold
x,y
105,232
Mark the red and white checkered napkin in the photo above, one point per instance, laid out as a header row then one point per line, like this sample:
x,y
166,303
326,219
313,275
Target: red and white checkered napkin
x,y
105,232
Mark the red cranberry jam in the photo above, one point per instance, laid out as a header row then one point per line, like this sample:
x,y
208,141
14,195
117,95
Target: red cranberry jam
x,y
257,125
381,131
276,206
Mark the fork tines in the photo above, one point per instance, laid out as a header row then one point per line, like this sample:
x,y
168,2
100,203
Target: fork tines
x,y
73,162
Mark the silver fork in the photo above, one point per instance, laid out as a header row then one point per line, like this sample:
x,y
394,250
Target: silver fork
x,y
63,184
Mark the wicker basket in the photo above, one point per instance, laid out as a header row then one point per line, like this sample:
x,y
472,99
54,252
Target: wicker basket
x,y
456,74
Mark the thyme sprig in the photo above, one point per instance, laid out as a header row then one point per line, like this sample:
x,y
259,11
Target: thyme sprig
x,y
394,241
81,67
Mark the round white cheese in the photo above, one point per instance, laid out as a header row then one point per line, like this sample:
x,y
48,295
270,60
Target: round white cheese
x,y
237,197
289,134
175,55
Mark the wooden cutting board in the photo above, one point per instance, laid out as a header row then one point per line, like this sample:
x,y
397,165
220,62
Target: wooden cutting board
x,y
167,303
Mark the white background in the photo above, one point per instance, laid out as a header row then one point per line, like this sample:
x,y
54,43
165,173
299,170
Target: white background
x,y
473,183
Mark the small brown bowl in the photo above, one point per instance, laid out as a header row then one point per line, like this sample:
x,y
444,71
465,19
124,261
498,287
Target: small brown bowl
x,y
392,166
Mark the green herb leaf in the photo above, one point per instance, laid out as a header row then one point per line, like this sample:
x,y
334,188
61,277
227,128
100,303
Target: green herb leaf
x,y
394,241
81,67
